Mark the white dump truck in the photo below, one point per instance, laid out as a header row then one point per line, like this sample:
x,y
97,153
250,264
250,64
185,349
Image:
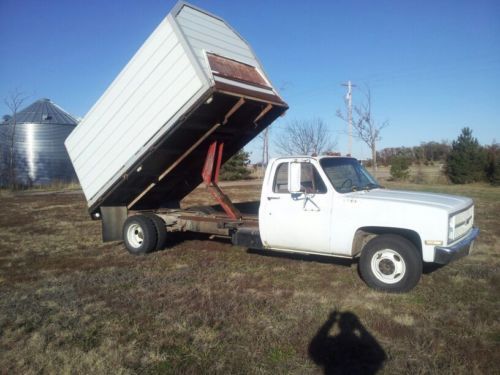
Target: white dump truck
x,y
190,98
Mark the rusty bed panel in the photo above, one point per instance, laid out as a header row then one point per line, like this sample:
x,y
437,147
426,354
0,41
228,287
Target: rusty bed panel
x,y
235,70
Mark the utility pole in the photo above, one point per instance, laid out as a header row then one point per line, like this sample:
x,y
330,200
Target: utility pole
x,y
348,99
265,150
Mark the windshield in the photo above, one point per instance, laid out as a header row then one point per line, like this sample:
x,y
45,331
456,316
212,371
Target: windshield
x,y
347,174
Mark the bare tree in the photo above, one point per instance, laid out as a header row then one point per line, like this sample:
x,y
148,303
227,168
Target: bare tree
x,y
306,137
365,127
14,102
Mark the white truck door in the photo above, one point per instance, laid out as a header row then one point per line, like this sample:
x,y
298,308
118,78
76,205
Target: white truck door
x,y
299,221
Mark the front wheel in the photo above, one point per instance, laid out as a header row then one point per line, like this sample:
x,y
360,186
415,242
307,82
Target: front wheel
x,y
390,263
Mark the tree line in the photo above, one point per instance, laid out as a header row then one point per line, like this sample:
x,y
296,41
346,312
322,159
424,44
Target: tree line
x,y
464,160
426,153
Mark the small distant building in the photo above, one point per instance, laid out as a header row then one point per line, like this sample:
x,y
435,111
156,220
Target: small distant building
x,y
40,157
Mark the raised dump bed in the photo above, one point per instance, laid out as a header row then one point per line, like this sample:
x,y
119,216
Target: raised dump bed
x,y
194,81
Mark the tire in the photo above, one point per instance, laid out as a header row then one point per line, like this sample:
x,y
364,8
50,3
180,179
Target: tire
x,y
390,263
139,235
161,232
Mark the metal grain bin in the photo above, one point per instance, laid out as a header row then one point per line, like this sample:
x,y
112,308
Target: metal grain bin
x,y
38,133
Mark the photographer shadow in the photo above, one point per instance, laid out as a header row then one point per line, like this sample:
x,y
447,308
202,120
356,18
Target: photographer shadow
x,y
353,350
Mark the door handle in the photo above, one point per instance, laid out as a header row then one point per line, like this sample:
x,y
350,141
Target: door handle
x,y
269,198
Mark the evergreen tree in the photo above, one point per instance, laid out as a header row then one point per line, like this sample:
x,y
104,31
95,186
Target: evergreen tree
x,y
495,176
236,167
400,168
493,164
467,160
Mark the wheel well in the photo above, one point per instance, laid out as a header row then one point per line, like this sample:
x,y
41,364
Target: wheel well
x,y
365,234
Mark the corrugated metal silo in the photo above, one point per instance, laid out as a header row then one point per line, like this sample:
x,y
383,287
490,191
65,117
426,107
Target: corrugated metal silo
x,y
40,157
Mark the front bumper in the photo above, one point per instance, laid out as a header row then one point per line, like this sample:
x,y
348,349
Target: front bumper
x,y
444,255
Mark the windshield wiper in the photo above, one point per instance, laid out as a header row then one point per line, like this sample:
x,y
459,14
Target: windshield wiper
x,y
370,186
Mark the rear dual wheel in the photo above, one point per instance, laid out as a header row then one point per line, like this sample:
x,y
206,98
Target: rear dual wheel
x,y
144,233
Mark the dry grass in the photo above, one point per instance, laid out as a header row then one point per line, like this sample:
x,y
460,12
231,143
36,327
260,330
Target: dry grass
x,y
69,303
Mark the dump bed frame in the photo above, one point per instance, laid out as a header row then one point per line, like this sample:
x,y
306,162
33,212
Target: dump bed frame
x,y
172,168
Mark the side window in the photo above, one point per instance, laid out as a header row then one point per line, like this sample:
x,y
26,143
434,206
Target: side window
x,y
311,182
281,179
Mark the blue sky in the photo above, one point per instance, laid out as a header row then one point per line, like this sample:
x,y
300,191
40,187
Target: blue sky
x,y
433,66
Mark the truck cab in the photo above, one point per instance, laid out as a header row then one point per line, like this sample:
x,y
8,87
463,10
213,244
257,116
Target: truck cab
x,y
333,206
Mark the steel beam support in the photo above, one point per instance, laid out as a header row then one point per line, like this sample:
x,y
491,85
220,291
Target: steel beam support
x,y
210,174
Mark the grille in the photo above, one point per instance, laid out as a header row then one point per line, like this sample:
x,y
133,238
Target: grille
x,y
463,222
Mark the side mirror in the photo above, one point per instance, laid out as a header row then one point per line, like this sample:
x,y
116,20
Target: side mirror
x,y
294,177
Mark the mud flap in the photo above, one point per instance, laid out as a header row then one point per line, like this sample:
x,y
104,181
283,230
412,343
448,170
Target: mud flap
x,y
112,220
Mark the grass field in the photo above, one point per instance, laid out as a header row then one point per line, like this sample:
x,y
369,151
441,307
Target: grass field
x,y
71,304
